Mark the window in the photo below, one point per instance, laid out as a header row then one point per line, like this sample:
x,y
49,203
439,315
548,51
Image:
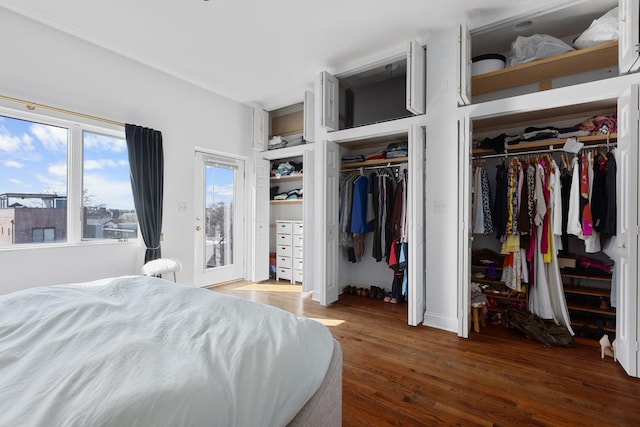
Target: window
x,y
107,199
62,182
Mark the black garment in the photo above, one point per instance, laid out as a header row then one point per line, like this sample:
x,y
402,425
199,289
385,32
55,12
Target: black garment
x,y
599,193
500,205
610,223
565,194
524,219
374,188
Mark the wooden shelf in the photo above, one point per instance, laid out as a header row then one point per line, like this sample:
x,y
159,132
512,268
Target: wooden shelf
x,y
526,146
591,58
579,323
595,310
597,292
293,177
375,162
286,202
585,277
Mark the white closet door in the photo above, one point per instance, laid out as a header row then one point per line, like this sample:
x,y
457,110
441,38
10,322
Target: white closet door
x,y
416,78
260,129
627,231
308,217
309,119
464,229
260,236
330,93
629,39
329,163
464,66
415,209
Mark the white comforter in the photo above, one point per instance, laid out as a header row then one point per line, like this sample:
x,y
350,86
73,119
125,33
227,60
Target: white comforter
x,y
140,351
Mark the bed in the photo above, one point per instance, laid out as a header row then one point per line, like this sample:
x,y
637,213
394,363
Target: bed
x,y
144,351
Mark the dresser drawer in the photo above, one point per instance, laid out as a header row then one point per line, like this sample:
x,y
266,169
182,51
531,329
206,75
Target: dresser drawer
x,y
283,273
283,250
283,239
284,261
297,240
283,227
297,252
298,228
297,264
297,276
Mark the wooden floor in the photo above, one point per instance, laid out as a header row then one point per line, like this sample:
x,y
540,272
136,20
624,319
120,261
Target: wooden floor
x,y
396,374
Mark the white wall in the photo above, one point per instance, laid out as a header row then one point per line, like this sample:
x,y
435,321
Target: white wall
x,y
441,187
48,67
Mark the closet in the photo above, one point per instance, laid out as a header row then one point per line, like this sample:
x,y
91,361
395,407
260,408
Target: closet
x,y
385,162
284,126
389,89
284,215
561,68
592,304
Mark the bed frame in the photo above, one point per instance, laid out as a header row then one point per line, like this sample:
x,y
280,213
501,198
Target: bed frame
x,y
324,409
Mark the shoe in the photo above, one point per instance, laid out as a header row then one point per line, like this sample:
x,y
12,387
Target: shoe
x,y
387,298
605,347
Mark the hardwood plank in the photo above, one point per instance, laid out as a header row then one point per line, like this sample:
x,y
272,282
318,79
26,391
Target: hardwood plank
x,y
395,374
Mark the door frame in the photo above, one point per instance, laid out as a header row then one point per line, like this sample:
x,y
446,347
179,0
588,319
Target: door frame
x,y
237,270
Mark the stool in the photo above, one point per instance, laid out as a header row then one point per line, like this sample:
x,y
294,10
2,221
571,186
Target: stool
x,y
478,318
160,266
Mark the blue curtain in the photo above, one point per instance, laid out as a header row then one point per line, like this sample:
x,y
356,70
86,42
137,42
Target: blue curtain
x,y
146,162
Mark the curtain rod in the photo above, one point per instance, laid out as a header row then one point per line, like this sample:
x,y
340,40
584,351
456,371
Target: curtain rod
x,y
33,105
546,150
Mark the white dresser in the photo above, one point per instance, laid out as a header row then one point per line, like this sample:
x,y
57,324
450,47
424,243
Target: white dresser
x,y
289,253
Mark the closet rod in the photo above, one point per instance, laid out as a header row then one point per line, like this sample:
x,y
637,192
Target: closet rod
x,y
546,150
32,106
387,166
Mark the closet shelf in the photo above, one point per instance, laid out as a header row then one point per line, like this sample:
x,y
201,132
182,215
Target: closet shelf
x,y
585,277
556,143
578,323
294,177
375,162
588,59
581,290
591,309
286,202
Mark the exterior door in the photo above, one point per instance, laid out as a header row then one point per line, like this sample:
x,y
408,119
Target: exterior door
x,y
219,220
327,284
626,343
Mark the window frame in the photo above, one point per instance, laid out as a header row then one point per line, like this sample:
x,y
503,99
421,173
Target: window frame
x,y
75,172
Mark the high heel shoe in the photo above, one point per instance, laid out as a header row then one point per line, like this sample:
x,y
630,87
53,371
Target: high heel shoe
x,y
613,350
606,349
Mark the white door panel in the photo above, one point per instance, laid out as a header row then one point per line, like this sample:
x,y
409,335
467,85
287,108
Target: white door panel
x,y
627,231
629,38
416,78
261,222
330,93
415,209
260,129
308,216
464,66
309,118
464,232
330,162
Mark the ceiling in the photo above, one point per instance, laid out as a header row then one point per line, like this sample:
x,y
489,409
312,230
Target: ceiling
x,y
257,51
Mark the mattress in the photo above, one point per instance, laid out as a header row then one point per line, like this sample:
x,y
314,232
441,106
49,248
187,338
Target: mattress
x,y
146,351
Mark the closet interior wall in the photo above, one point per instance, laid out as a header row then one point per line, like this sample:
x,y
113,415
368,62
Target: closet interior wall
x,y
367,271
